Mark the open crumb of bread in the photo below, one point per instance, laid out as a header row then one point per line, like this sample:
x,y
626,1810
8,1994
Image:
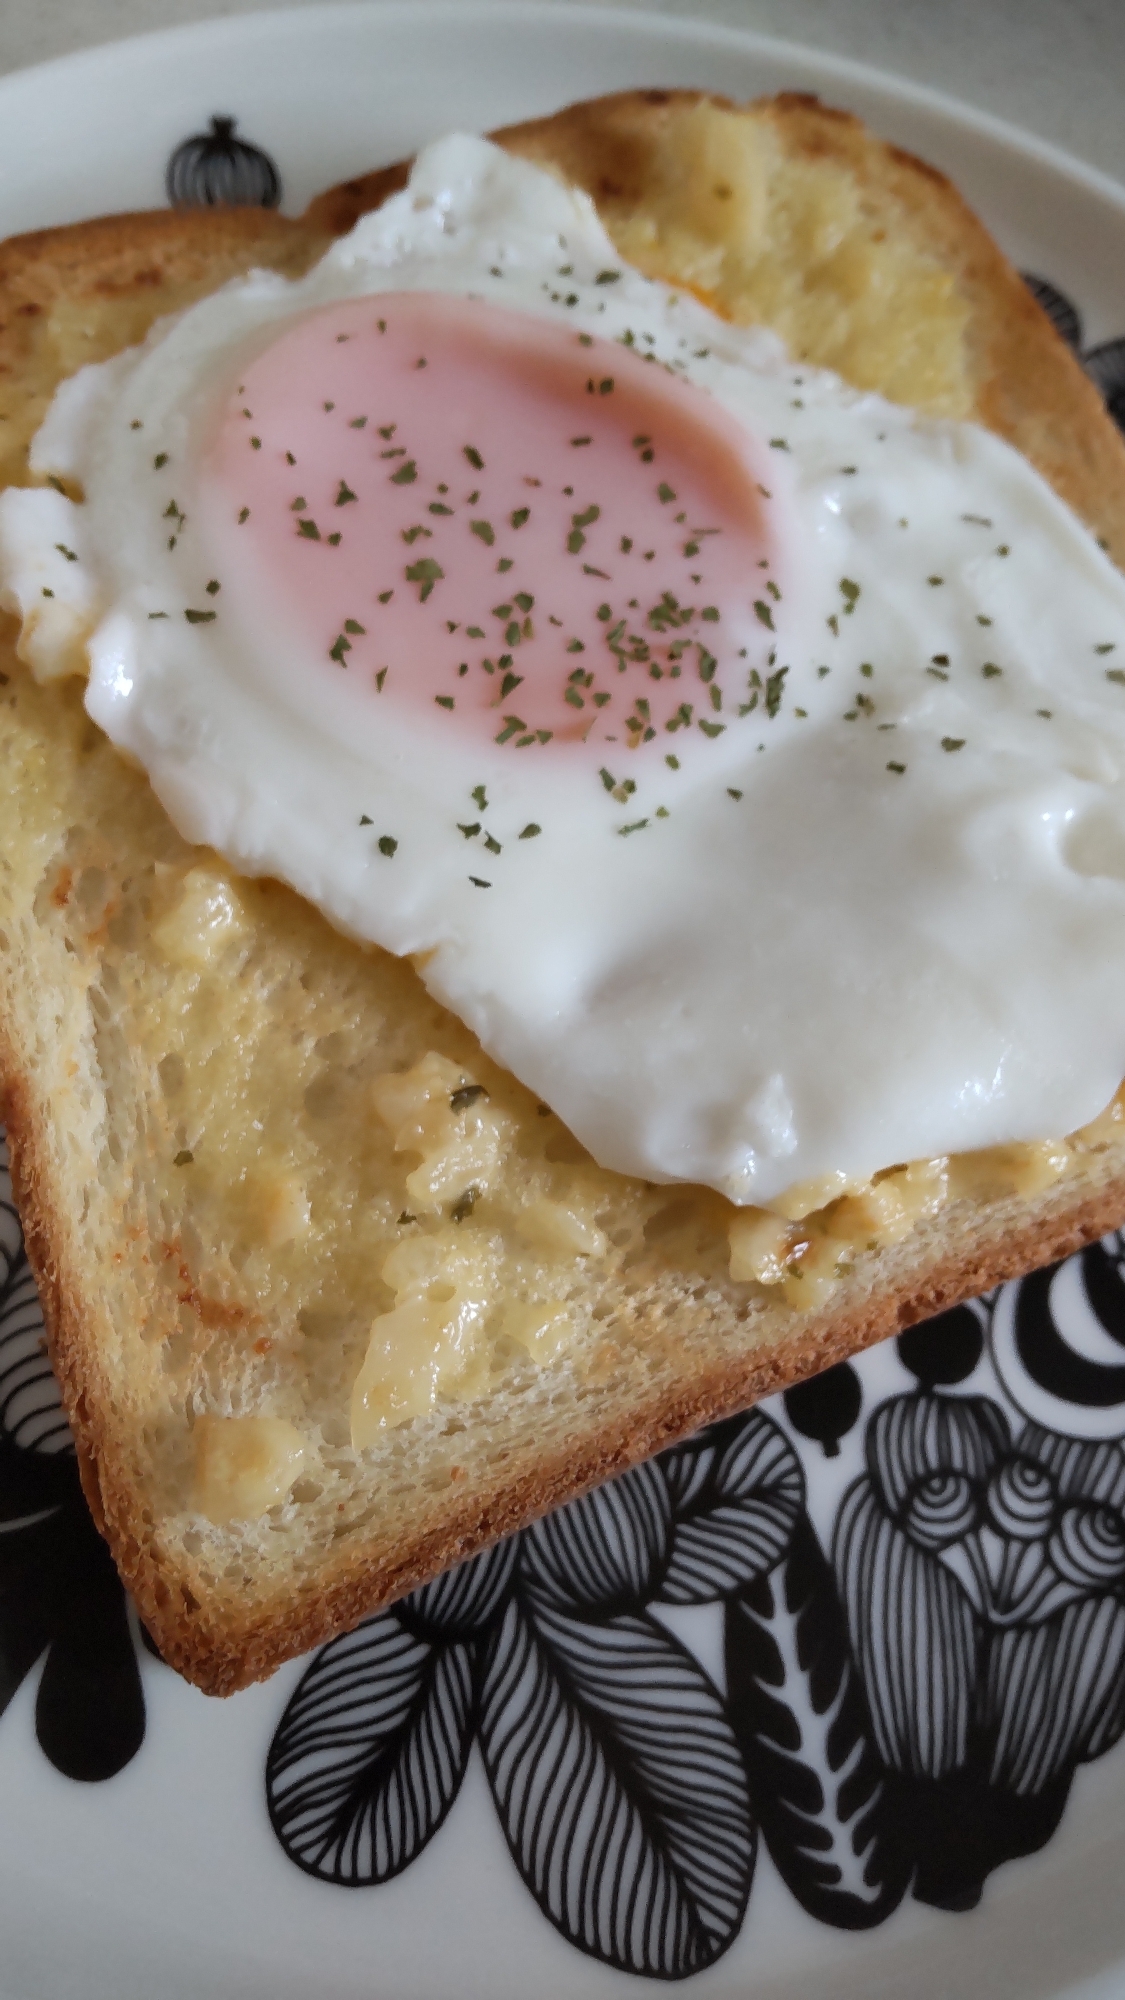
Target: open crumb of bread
x,y
239,1138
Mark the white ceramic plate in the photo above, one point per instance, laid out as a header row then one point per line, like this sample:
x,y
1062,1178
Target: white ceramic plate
x,y
774,1716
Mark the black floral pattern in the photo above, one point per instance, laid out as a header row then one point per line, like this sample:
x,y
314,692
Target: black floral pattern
x,y
905,1703
60,1595
613,1765
216,169
981,1570
798,1709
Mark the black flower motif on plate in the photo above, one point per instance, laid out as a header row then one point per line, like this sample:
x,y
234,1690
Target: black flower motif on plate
x,y
60,1595
906,1697
218,169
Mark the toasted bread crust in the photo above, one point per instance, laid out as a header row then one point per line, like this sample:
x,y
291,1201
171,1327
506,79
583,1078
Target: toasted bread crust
x,y
1026,385
67,295
122,252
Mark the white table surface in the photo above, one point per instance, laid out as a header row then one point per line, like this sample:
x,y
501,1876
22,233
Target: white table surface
x,y
1056,67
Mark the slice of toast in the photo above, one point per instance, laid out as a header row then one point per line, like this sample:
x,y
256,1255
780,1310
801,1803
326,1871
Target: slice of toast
x,y
203,1135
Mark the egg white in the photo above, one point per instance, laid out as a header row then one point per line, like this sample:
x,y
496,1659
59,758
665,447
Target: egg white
x,y
845,966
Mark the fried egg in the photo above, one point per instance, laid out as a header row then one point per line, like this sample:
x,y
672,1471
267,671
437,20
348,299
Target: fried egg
x,y
738,755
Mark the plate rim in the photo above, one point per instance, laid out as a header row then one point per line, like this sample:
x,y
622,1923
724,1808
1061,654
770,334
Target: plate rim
x,y
81,67
294,22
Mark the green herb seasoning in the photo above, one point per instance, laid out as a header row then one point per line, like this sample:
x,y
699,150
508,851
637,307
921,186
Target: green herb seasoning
x,y
425,573
775,686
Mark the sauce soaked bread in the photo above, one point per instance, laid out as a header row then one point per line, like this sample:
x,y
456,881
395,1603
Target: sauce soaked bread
x,y
316,1210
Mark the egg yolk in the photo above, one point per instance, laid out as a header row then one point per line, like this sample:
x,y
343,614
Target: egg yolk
x,y
547,535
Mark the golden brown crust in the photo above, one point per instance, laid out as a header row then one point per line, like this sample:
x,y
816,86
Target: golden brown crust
x,y
119,252
1027,386
76,294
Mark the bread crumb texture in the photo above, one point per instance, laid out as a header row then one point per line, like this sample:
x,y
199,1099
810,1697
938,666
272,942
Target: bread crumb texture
x,y
333,1299
794,243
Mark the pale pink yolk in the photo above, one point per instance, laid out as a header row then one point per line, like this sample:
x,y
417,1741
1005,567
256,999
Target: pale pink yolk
x,y
459,505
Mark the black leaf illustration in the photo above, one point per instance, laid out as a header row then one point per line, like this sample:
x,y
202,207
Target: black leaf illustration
x,y
915,1439
60,1595
215,169
90,1710
607,1551
1081,1469
619,1787
1107,366
25,1611
32,1480
914,1638
31,1414
1055,1693
816,1783
11,1239
735,1505
960,1827
370,1752
826,1406
461,1603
